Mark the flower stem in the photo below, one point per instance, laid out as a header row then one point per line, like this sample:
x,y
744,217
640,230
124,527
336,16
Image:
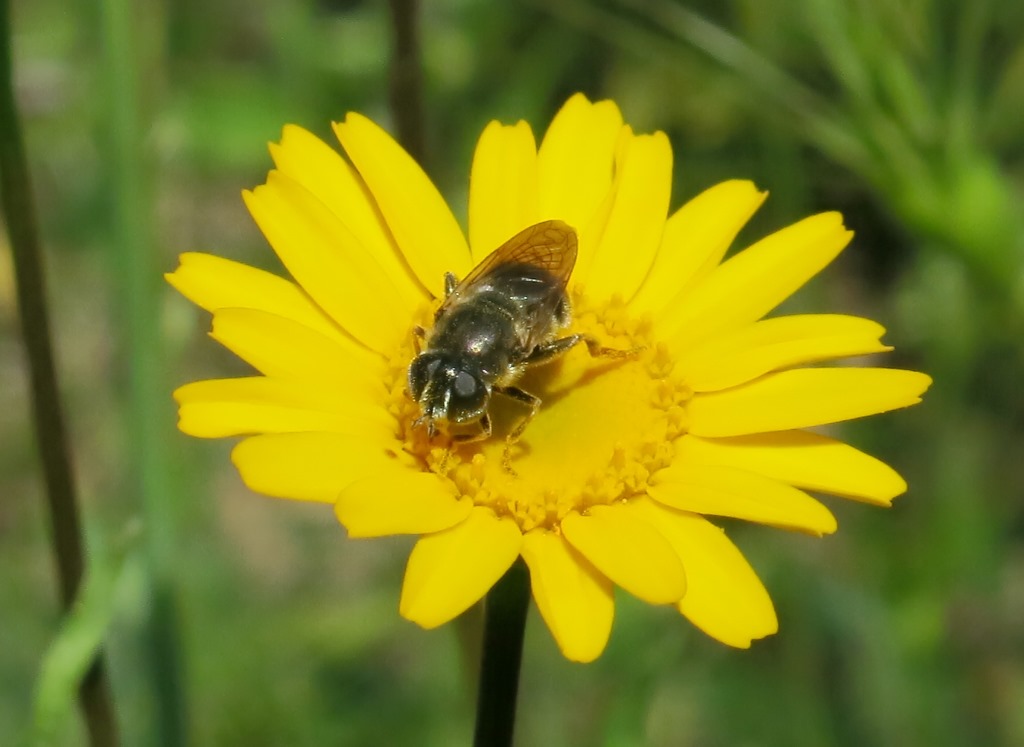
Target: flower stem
x,y
407,77
504,625
65,523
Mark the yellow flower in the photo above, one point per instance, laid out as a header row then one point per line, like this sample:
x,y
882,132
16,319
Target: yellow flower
x,y
616,474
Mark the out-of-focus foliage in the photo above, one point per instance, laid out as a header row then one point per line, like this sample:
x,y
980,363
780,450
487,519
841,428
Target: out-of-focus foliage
x,y
245,621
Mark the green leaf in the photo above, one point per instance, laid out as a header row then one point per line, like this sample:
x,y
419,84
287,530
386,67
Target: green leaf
x,y
76,645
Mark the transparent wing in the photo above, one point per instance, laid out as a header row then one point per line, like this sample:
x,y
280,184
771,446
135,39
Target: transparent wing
x,y
550,245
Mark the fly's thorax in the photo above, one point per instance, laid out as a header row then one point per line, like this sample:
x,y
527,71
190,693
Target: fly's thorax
x,y
484,330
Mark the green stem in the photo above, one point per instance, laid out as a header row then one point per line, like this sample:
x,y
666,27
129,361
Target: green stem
x,y
504,625
65,523
131,66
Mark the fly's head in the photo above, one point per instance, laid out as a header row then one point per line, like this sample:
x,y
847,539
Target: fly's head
x,y
448,388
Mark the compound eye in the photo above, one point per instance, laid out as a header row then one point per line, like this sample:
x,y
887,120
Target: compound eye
x,y
465,385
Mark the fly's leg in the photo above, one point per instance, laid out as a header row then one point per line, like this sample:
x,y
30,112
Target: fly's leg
x,y
418,336
481,435
551,350
597,350
450,281
531,401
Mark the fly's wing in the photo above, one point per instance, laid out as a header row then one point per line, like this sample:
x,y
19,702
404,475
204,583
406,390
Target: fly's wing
x,y
550,246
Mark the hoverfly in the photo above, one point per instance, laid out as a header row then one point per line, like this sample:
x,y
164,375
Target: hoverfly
x,y
501,319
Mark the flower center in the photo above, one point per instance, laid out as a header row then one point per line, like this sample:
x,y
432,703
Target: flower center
x,y
605,425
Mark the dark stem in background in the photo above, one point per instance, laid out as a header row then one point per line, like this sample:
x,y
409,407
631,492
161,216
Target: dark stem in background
x,y
504,625
406,93
94,691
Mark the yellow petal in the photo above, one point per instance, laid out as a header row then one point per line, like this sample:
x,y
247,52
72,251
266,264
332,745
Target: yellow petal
x,y
215,283
281,348
451,570
330,263
630,240
695,239
263,390
308,160
755,281
502,187
629,551
415,212
231,407
576,601
574,165
804,398
724,597
309,466
400,502
724,491
800,458
755,349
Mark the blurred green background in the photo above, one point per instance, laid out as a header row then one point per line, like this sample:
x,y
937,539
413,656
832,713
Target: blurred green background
x,y
239,620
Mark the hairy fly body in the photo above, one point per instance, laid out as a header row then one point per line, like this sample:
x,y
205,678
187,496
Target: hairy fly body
x,y
501,319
